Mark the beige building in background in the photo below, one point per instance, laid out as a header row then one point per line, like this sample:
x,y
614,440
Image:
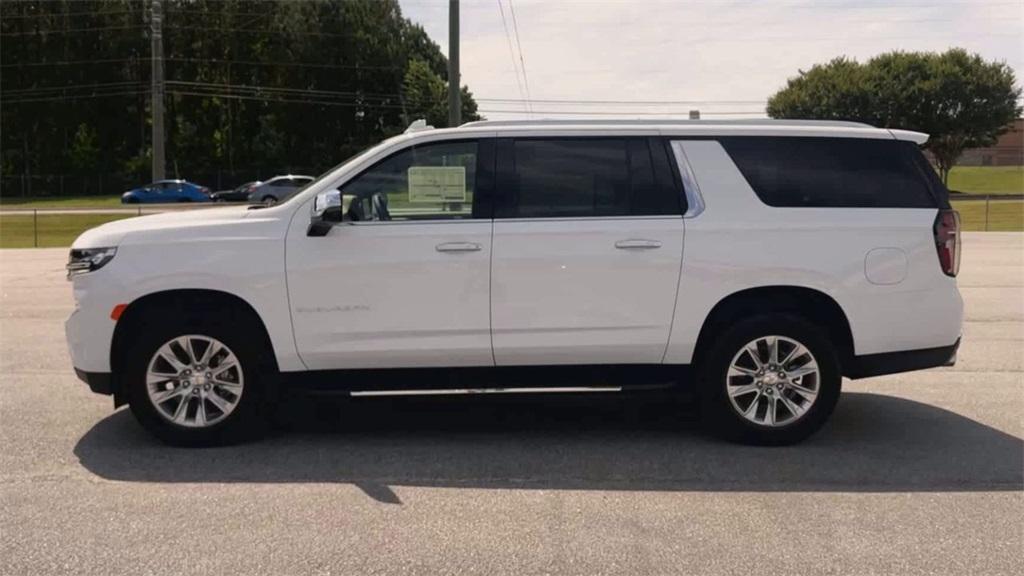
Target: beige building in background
x,y
1007,151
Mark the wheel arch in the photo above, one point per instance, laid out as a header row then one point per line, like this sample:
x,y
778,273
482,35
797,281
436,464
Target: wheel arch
x,y
184,303
813,305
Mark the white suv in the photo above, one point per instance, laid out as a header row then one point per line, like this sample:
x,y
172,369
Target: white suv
x,y
759,261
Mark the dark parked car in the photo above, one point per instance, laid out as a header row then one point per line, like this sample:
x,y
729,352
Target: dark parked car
x,y
278,188
167,191
239,194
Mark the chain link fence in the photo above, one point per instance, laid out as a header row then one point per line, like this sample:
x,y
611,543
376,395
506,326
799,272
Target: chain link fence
x,y
992,213
60,185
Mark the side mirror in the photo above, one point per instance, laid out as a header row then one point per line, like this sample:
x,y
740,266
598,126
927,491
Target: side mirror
x,y
327,211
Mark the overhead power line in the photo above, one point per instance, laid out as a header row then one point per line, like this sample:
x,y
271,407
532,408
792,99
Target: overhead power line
x,y
282,63
68,14
252,31
522,63
271,89
295,96
74,30
69,97
203,13
44,89
69,62
283,100
511,53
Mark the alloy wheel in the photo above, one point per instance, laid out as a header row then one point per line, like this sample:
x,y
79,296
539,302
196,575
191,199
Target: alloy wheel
x,y
194,381
773,381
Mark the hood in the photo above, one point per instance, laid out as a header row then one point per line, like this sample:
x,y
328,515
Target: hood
x,y
114,233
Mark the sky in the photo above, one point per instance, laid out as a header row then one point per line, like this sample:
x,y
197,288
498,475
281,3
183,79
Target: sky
x,y
665,57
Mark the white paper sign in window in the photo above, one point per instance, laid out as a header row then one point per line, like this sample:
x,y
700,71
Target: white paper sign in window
x,y
437,184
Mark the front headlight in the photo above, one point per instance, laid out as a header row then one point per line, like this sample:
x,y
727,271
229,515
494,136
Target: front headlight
x,y
88,260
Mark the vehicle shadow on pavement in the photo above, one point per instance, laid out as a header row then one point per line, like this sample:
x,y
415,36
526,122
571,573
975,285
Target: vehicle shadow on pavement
x,y
874,443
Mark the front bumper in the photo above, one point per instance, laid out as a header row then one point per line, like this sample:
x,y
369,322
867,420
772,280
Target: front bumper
x,y
904,361
90,329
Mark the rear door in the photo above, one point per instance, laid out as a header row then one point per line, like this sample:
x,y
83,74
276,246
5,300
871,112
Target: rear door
x,y
588,241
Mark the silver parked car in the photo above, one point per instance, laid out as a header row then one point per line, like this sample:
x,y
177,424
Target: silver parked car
x,y
278,188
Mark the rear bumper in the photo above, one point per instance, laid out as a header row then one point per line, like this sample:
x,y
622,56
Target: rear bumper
x,y
904,361
99,382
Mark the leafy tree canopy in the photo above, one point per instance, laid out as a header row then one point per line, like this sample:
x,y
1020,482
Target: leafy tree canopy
x,y
253,87
961,100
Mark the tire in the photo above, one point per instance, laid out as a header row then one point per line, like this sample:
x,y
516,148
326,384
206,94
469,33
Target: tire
x,y
245,421
719,373
268,200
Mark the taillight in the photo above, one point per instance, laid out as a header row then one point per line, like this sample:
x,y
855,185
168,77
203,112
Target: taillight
x,y
947,241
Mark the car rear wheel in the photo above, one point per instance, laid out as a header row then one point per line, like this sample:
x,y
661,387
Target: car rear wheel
x,y
769,380
197,383
269,200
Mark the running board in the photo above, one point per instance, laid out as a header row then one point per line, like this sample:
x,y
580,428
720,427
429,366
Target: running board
x,y
450,391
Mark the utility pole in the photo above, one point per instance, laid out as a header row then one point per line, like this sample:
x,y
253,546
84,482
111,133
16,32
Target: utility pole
x,y
454,94
157,52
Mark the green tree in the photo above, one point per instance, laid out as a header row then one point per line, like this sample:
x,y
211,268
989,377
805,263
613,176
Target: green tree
x,y
425,94
959,99
253,87
84,152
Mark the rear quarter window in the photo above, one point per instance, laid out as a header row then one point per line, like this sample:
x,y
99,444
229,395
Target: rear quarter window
x,y
832,172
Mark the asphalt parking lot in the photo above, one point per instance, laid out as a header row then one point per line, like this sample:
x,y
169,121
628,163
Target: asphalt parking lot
x,y
919,473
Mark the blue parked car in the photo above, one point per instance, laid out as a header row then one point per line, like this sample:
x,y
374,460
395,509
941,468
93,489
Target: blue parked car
x,y
167,191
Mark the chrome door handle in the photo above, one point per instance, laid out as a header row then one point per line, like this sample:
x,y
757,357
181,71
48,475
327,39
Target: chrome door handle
x,y
457,247
637,244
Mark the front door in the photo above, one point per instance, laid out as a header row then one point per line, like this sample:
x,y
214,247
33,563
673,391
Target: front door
x,y
405,281
588,240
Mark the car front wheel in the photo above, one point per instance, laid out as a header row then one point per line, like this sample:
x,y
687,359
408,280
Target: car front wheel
x,y
196,385
769,380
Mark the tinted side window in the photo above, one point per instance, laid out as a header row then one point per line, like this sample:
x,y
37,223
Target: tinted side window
x,y
427,182
578,177
830,172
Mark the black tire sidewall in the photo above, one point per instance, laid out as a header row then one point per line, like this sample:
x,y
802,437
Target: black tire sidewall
x,y
245,422
716,408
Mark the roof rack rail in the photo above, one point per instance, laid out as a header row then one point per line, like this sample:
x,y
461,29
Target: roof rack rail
x,y
664,122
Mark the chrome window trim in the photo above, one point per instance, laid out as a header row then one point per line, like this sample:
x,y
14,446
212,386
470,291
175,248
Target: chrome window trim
x,y
590,218
694,197
497,220
422,221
